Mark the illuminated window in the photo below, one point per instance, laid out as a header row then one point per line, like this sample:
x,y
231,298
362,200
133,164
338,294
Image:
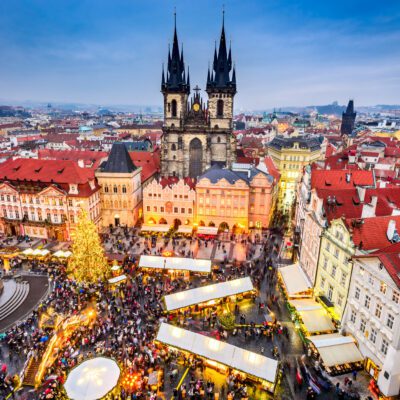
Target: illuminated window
x,y
383,287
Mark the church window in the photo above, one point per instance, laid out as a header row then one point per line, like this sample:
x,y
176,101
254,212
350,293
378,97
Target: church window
x,y
218,139
220,108
173,147
174,157
173,108
169,107
123,189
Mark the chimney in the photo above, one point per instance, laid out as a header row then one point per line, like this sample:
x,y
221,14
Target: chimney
x,y
391,229
348,177
361,193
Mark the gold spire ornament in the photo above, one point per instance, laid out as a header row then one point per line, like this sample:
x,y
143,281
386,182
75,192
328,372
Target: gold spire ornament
x,y
87,263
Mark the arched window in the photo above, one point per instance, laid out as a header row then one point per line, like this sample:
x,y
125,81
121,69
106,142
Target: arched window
x,y
218,139
123,189
115,189
220,108
173,108
173,147
106,189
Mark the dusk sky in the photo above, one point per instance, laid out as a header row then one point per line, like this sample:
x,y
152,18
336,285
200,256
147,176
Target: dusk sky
x,y
287,53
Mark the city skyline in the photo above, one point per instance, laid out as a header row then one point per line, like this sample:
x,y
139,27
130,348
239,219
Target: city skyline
x,y
77,52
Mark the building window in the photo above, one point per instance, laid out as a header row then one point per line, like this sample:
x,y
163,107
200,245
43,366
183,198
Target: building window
x,y
162,209
330,292
362,325
123,189
155,208
372,336
367,301
220,108
189,210
395,297
384,346
371,280
176,210
383,287
182,210
148,208
328,246
390,321
333,271
325,266
174,110
378,310
70,202
353,316
340,300
357,293
106,189
115,189
336,253
343,279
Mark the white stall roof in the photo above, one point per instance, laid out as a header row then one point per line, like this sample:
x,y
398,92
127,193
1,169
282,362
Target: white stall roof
x,y
207,230
222,352
117,279
185,229
155,228
207,293
314,316
92,379
294,279
178,263
336,349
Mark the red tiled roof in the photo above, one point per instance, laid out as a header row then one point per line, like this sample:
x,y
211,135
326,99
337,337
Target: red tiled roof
x,y
369,154
370,234
148,160
57,171
272,170
173,180
90,158
336,179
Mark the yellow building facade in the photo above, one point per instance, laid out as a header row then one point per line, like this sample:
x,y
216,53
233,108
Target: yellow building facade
x,y
290,155
335,267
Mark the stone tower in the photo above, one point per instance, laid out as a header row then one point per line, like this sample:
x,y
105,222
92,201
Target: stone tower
x,y
195,135
348,119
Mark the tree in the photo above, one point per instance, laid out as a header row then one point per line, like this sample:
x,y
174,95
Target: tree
x,y
87,262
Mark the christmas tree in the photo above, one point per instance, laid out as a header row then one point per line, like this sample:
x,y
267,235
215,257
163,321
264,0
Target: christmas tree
x,y
87,262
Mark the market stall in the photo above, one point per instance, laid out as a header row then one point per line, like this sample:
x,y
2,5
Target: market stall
x,y
294,282
92,379
8,253
207,232
311,316
221,355
209,295
176,266
155,228
62,254
339,354
184,231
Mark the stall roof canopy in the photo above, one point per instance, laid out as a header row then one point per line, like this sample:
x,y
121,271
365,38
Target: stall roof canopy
x,y
92,379
222,352
314,316
185,229
294,279
207,230
155,228
178,263
117,279
207,293
336,349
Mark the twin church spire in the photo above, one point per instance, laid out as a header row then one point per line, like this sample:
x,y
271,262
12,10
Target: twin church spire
x,y
221,77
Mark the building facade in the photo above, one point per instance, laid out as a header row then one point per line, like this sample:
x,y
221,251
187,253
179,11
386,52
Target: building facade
x,y
372,315
121,188
169,201
42,198
197,135
291,155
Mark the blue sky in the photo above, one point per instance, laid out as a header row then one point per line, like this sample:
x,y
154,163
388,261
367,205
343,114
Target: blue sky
x,y
287,52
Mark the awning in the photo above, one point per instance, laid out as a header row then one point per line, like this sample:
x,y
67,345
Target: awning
x,y
62,254
207,230
314,316
176,263
185,229
117,279
336,349
294,279
27,252
155,228
234,357
207,293
40,253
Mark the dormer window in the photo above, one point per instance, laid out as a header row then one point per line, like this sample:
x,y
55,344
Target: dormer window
x,y
73,188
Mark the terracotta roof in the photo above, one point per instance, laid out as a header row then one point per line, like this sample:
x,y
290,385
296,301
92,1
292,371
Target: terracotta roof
x,y
336,179
370,233
90,158
148,160
369,154
57,171
173,180
272,170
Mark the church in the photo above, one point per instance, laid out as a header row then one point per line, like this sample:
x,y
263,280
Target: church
x,y
197,134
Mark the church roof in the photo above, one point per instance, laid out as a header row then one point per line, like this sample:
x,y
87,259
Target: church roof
x,y
119,160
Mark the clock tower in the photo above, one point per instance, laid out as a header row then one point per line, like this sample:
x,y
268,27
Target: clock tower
x,y
197,135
